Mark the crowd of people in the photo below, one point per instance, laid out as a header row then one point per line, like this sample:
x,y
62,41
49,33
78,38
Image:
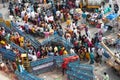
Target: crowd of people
x,y
46,20
68,20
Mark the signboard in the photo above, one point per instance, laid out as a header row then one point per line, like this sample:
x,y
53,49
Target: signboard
x,y
43,66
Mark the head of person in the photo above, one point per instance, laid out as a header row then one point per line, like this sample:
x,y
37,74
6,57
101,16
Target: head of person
x,y
105,73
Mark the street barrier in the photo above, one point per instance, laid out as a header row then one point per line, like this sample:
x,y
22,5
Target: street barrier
x,y
42,65
13,45
78,71
26,76
7,54
34,42
7,29
57,38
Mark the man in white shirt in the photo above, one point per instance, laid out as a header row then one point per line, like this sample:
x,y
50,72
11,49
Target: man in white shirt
x,y
8,46
33,14
58,13
100,53
55,49
77,2
68,39
117,55
23,13
39,9
73,24
46,18
34,57
106,76
72,51
75,30
19,1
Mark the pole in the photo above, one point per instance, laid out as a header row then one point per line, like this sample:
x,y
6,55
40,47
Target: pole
x,y
112,54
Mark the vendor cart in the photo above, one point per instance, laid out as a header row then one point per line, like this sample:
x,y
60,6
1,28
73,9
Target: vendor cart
x,y
113,61
111,21
109,41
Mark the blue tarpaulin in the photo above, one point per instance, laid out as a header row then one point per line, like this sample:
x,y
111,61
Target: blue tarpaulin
x,y
112,16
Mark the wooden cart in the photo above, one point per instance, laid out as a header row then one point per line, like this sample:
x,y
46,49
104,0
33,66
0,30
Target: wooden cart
x,y
113,62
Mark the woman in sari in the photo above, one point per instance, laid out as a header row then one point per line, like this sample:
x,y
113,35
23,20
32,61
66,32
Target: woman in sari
x,y
92,57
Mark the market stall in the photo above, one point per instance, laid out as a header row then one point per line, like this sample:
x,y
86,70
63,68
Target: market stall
x,y
111,20
93,19
109,40
114,61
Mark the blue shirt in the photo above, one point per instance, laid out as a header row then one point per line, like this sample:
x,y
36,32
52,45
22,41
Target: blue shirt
x,y
92,55
26,26
84,15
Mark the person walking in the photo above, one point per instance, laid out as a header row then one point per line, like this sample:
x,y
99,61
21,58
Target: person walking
x,y
84,15
86,30
106,76
92,57
3,2
116,8
100,53
64,67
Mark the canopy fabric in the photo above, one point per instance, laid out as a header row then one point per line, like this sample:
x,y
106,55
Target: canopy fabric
x,y
112,16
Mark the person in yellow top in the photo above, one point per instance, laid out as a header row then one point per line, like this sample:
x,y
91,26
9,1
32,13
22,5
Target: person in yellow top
x,y
33,30
8,23
69,17
68,22
65,52
51,31
2,42
21,39
87,55
22,44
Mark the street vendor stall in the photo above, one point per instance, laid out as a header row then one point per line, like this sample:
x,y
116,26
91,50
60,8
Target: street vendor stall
x,y
109,41
114,61
111,21
93,19
111,18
